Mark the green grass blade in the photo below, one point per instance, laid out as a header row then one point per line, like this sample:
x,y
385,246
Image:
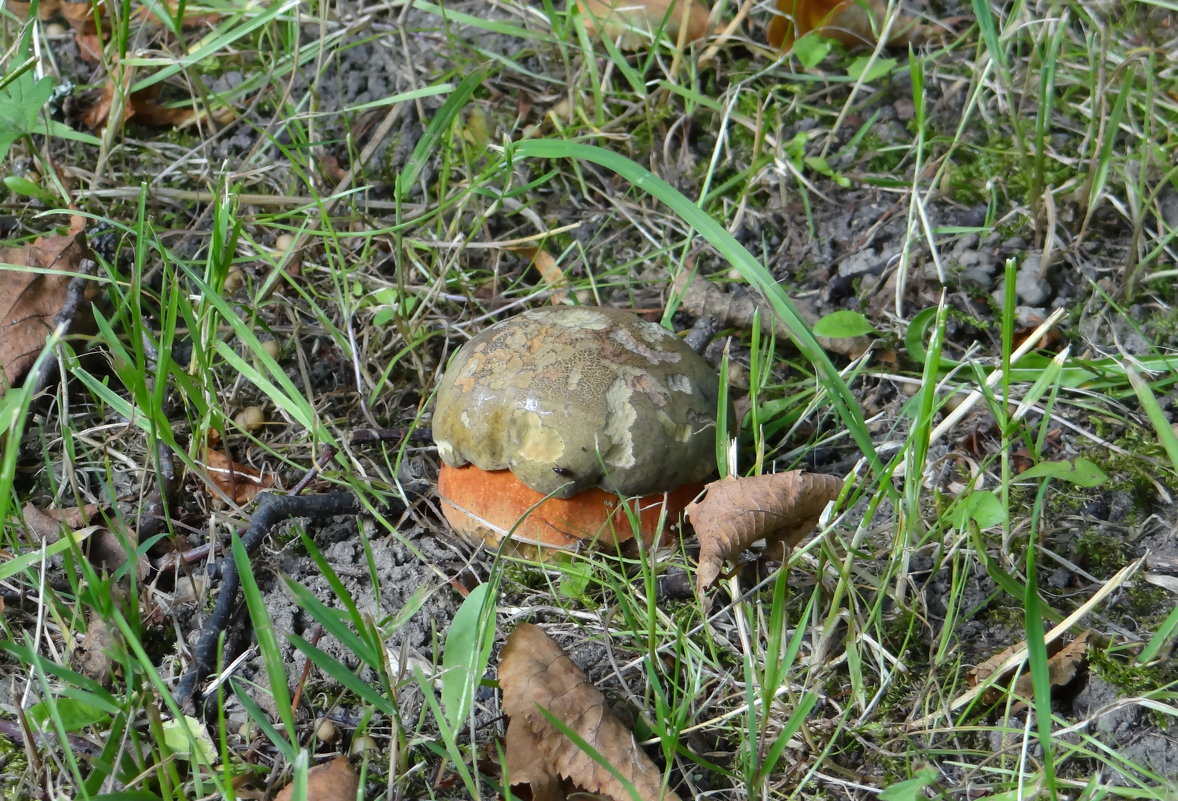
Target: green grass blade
x,y
750,269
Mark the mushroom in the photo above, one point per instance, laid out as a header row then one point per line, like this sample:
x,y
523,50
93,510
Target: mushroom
x,y
547,420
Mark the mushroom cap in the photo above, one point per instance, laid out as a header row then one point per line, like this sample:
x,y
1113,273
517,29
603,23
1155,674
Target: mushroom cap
x,y
572,397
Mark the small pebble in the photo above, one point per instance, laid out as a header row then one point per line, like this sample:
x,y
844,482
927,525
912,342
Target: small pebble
x,y
251,418
270,348
326,732
363,744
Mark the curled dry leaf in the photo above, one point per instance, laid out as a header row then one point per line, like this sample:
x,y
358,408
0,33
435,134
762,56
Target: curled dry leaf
x,y
100,109
31,301
632,22
1062,667
101,545
83,19
535,673
736,512
331,781
92,657
854,23
241,483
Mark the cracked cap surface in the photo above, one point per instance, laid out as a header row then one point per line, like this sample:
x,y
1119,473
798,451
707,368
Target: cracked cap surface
x,y
571,397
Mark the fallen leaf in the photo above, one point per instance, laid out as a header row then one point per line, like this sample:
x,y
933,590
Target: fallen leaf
x,y
536,674
101,545
95,111
854,23
331,781
1062,667
632,23
31,299
47,523
553,277
84,19
736,512
238,481
92,657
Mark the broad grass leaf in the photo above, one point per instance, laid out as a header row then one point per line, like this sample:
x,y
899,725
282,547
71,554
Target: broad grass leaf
x,y
467,651
842,324
1082,472
981,506
537,676
194,744
910,789
73,713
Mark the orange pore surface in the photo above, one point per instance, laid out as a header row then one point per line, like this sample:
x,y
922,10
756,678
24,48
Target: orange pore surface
x,y
484,505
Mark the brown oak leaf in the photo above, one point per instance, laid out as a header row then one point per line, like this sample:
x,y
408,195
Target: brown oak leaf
x,y
92,657
536,674
84,18
736,512
1062,667
331,781
631,22
32,299
102,546
238,481
854,23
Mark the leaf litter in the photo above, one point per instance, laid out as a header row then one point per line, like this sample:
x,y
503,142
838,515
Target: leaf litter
x,y
735,512
541,683
331,781
1062,667
42,287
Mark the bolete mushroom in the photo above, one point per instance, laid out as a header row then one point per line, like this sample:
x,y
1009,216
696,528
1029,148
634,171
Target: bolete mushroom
x,y
547,420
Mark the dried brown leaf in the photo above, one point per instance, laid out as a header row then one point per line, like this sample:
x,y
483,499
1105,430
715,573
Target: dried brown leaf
x,y
736,512
331,781
92,657
31,300
854,23
1062,667
101,545
535,673
239,482
102,109
554,278
83,18
631,22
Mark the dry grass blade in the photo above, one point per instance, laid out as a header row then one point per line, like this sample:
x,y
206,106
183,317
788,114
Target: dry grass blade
x,y
736,512
535,673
